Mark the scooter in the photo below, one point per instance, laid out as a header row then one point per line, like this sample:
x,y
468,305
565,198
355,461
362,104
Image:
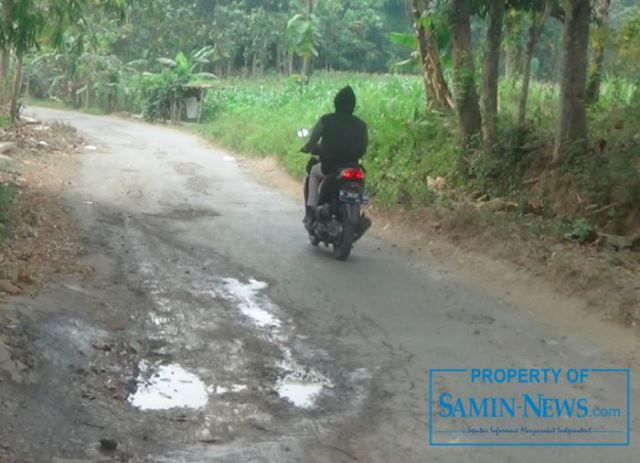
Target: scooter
x,y
338,221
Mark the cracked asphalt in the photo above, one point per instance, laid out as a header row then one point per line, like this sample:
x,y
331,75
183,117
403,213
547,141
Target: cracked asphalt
x,y
213,332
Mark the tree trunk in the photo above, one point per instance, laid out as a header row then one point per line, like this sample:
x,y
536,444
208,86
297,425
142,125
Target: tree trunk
x,y
4,77
279,60
571,135
436,88
595,70
466,97
17,85
306,68
513,47
306,60
5,54
5,61
245,68
535,29
229,67
491,69
290,66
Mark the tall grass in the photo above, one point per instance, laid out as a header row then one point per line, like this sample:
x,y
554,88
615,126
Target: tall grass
x,y
407,144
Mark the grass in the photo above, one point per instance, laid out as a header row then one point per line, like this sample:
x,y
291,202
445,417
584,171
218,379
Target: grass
x,y
407,144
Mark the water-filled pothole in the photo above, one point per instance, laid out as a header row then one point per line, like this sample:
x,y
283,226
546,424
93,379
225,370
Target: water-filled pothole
x,y
300,394
162,387
297,384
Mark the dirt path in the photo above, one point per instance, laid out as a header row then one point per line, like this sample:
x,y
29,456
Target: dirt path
x,y
207,297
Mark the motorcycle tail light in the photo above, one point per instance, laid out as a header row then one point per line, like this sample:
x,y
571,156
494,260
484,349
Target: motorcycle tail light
x,y
353,173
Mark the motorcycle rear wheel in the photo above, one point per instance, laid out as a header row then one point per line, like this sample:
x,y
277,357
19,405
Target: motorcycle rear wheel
x,y
342,249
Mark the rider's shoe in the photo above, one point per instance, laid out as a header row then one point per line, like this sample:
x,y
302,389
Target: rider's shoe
x,y
309,217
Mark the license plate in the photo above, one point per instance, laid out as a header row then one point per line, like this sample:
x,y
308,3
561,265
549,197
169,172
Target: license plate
x,y
350,197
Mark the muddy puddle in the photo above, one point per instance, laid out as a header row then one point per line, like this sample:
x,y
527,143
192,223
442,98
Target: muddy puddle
x,y
163,387
250,302
297,384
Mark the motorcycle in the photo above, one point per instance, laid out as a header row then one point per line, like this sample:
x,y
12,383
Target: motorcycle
x,y
339,221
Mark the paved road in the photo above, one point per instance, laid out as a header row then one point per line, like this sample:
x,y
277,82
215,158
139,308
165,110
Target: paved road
x,y
275,351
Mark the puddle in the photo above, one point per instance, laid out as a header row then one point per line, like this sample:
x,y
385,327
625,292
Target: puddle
x,y
162,387
232,388
302,395
298,384
229,158
250,303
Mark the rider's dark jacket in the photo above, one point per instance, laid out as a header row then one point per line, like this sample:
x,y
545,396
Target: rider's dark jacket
x,y
339,138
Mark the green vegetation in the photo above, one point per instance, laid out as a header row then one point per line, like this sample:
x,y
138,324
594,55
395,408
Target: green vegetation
x,y
407,144
549,125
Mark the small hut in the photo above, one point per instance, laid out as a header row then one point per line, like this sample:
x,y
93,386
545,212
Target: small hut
x,y
188,99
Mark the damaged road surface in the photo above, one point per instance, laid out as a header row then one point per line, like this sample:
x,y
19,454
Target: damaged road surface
x,y
212,332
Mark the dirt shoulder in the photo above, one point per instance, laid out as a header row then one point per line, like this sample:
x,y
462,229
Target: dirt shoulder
x,y
576,288
42,237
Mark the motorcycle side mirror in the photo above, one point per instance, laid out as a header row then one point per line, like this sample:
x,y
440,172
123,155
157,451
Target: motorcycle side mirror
x,y
303,133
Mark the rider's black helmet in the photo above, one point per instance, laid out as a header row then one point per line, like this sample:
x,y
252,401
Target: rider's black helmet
x,y
345,101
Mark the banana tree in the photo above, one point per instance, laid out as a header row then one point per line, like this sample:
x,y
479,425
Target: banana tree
x,y
302,35
32,23
171,84
21,34
186,67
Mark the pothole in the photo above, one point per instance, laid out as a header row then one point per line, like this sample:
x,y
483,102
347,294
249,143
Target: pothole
x,y
249,302
300,394
163,387
297,384
187,213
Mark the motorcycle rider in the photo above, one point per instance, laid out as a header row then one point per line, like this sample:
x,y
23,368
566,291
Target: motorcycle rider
x,y
339,139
